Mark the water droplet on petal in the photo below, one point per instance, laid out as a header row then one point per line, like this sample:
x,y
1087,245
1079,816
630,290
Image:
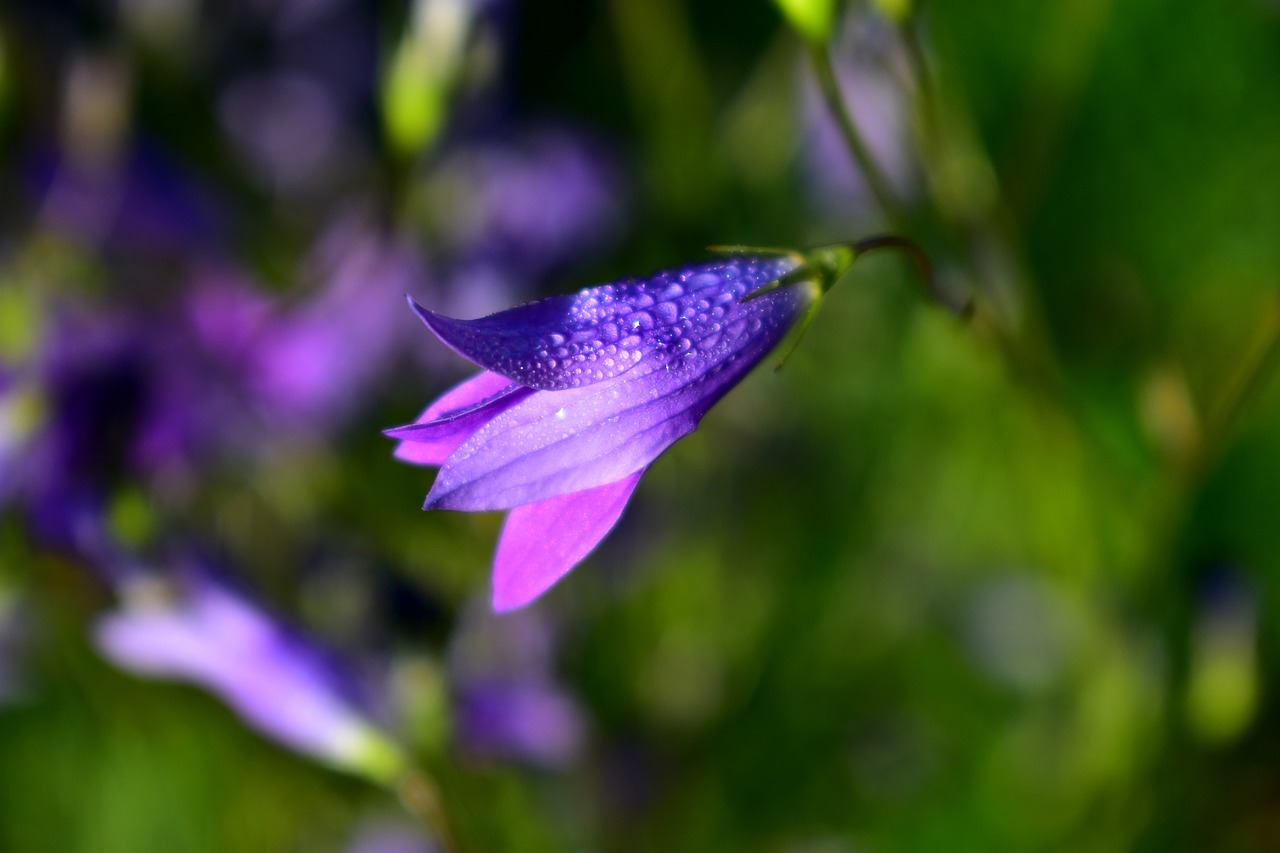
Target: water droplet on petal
x,y
667,312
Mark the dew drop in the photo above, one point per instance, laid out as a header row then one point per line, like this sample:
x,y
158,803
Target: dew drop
x,y
667,312
629,341
609,331
555,340
673,291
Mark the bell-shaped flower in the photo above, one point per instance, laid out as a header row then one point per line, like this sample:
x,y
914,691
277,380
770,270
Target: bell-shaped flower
x,y
274,680
580,393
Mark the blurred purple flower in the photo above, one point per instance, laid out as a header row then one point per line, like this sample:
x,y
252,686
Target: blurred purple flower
x,y
513,211
17,427
581,393
301,364
390,836
533,722
112,390
863,58
277,683
287,127
141,201
508,704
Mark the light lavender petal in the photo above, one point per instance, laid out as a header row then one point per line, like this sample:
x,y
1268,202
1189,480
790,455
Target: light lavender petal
x,y
453,417
541,542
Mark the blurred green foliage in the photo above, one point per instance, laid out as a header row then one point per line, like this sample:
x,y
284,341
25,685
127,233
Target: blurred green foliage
x,y
935,586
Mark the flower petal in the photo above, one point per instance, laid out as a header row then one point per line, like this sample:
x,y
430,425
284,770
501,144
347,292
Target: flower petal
x,y
600,333
454,416
553,443
541,542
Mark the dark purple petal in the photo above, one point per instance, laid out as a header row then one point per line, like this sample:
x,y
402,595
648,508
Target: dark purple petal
x,y
541,542
602,332
452,419
553,443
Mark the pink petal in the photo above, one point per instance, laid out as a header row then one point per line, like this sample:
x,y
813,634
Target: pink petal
x,y
443,442
542,541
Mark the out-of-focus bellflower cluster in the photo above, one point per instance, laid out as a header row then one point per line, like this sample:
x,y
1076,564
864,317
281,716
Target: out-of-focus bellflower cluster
x,y
165,354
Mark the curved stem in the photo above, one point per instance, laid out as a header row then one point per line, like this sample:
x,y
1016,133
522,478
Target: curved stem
x,y
1242,385
921,259
419,794
821,58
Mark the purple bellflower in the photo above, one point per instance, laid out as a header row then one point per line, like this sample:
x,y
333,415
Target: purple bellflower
x,y
273,679
580,393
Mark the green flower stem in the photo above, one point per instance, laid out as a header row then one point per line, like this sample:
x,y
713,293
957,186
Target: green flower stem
x,y
1242,385
421,796
820,55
